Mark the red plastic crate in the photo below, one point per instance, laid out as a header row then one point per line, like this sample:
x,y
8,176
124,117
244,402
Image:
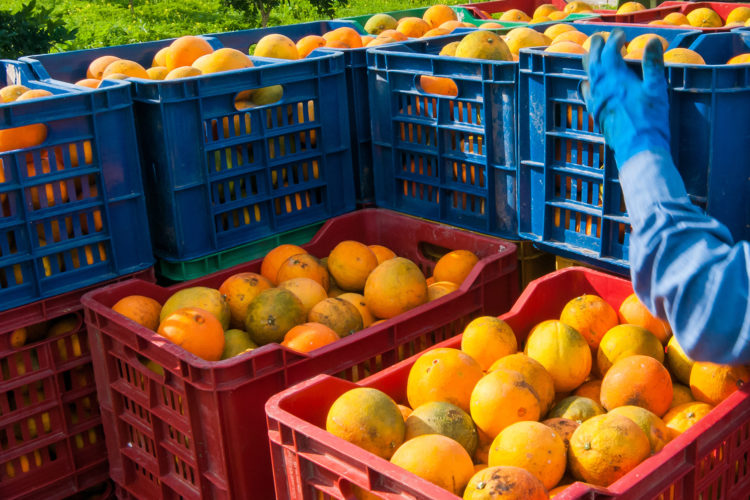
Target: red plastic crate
x,y
709,461
721,8
199,431
484,10
51,437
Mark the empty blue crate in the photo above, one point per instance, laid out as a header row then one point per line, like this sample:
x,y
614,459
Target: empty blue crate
x,y
219,174
443,158
570,198
72,209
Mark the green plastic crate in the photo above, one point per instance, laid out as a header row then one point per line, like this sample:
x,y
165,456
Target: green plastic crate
x,y
191,269
462,13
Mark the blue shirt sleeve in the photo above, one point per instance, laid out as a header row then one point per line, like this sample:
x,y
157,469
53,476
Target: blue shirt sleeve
x,y
684,264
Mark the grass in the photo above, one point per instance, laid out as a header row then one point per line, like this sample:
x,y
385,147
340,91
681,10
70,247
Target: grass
x,y
102,23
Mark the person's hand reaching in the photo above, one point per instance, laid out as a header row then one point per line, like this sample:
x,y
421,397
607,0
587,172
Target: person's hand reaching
x,y
633,114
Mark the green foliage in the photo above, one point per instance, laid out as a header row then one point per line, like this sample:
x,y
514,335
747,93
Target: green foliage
x,y
254,9
31,30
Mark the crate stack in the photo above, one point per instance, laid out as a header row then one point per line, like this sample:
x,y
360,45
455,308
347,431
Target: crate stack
x,y
72,217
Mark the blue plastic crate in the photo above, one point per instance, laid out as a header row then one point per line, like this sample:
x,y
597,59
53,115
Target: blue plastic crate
x,y
570,200
218,177
72,209
448,159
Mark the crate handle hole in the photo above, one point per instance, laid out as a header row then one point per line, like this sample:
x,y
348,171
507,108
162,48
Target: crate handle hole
x,y
254,98
436,85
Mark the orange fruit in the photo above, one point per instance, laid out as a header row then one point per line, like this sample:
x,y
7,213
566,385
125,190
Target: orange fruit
x,y
680,55
308,291
679,364
185,50
633,312
394,287
443,374
26,136
273,260
515,15
440,289
591,316
605,448
380,22
682,417
533,373
438,14
490,25
557,29
382,40
239,290
382,253
451,25
590,389
34,94
303,265
157,72
358,301
93,83
183,72
98,65
271,314
625,340
405,411
637,380
504,483
338,314
656,431
435,32
438,85
10,93
576,408
350,263
396,35
345,35
676,18
369,419
125,67
309,43
532,446
570,36
487,339
503,397
143,310
202,297
195,330
565,48
544,10
308,337
160,58
630,7
577,7
562,351
712,383
455,266
439,417
524,37
225,59
681,394
413,27
437,459
237,342
562,426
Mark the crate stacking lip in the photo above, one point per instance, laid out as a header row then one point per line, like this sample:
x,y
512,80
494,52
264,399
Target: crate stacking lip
x,y
199,430
709,460
67,196
449,159
570,197
219,173
52,442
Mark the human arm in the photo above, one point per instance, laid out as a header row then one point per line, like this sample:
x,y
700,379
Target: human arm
x,y
684,264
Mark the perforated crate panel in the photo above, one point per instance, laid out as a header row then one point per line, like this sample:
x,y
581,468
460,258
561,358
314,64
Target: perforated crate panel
x,y
51,436
431,154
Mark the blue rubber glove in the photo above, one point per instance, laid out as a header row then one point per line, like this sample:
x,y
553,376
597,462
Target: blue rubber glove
x,y
632,114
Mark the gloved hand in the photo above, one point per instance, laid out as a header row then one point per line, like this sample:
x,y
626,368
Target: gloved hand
x,y
632,114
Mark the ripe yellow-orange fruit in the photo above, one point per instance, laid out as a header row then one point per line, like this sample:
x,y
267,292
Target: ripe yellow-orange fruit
x,y
125,67
98,65
382,253
338,314
443,374
677,18
160,58
637,380
143,310
544,10
438,14
440,289
307,290
577,7
656,430
483,44
625,340
515,15
533,373
570,36
740,59
182,72
309,43
712,383
557,29
683,417
562,351
503,397
577,408
438,459
350,263
277,46
394,287
439,417
225,59
185,50
591,316
565,48
590,389
564,427
455,266
413,27
157,72
630,7
683,56
195,330
704,17
680,365
487,339
519,38
532,446
681,394
368,418
739,15
605,448
269,268
358,301
633,312
505,483
303,265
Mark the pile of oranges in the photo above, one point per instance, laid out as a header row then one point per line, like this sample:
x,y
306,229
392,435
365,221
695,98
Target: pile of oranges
x,y
587,398
297,300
